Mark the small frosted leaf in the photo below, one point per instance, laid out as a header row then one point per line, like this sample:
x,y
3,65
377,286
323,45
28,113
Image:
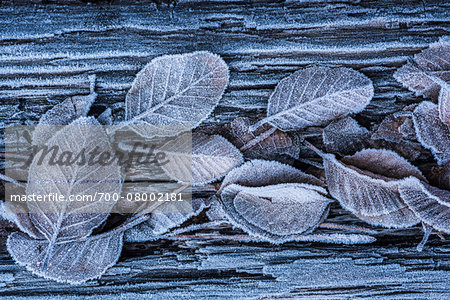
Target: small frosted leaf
x,y
72,219
419,76
265,142
317,95
62,114
394,129
430,204
18,214
444,104
106,118
416,80
175,91
262,172
165,218
72,262
366,184
277,213
210,158
431,132
344,136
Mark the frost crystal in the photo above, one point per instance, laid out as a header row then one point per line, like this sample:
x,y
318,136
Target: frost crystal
x,y
317,95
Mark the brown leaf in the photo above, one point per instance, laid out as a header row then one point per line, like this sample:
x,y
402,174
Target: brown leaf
x,y
266,142
367,185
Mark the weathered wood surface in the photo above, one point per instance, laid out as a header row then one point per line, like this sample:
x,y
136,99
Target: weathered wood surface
x,y
47,53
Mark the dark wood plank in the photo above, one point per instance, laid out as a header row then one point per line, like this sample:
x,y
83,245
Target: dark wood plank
x,y
48,51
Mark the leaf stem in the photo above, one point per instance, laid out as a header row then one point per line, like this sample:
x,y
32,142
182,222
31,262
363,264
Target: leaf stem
x,y
258,124
427,229
258,139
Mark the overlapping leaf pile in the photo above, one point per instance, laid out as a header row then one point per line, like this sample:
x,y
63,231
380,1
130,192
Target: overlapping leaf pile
x,y
369,171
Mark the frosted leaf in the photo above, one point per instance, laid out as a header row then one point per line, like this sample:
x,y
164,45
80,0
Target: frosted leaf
x,y
396,132
317,95
276,213
72,262
106,118
256,173
366,184
406,129
215,213
175,91
430,204
444,104
210,158
18,214
344,136
431,132
394,129
62,114
416,80
419,76
264,142
165,218
72,219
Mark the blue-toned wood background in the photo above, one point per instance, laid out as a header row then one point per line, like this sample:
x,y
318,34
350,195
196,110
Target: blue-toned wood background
x,y
48,50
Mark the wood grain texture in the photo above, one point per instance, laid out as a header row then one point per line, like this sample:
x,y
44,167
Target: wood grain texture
x,y
48,51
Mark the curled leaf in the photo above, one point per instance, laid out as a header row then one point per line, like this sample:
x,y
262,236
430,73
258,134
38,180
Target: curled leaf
x,y
317,95
419,76
276,213
175,91
431,205
366,184
431,132
210,158
257,173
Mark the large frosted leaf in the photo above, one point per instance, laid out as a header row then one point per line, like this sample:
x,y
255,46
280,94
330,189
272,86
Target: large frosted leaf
x,y
277,213
431,132
58,220
366,184
430,204
175,91
444,104
210,158
265,142
62,114
344,136
72,261
257,173
166,217
317,95
419,76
